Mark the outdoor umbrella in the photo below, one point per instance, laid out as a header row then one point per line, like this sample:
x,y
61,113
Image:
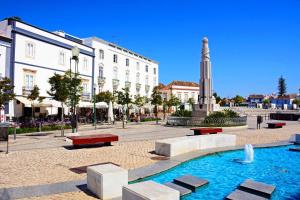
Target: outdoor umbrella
x,y
110,112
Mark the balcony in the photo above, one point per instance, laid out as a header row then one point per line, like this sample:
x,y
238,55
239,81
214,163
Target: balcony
x,y
101,81
147,88
26,90
85,96
115,83
138,86
127,84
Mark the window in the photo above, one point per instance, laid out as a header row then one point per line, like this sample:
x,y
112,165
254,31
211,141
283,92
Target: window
x,y
101,54
179,96
29,81
85,64
146,68
154,71
138,77
85,87
30,50
115,75
115,58
147,80
186,97
127,76
62,58
137,66
101,72
154,81
193,95
127,62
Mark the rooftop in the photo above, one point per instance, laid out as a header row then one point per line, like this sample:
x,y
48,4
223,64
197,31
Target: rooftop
x,y
120,48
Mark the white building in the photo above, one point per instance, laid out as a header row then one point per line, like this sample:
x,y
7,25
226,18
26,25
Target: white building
x,y
183,90
5,46
117,68
36,55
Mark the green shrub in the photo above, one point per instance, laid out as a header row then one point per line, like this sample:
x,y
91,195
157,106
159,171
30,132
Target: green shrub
x,y
149,119
182,113
31,130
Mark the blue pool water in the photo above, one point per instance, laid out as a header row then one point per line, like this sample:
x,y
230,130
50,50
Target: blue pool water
x,y
277,166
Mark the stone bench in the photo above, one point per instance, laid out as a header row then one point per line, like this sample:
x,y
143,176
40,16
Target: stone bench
x,y
176,146
297,138
149,190
206,131
106,181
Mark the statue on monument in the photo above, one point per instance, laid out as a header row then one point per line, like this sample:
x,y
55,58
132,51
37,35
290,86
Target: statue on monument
x,y
206,100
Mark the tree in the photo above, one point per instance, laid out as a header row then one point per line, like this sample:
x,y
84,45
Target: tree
x,y
34,95
106,96
238,99
59,92
217,97
139,102
266,101
6,92
156,100
296,101
73,83
281,86
191,101
165,107
123,98
173,101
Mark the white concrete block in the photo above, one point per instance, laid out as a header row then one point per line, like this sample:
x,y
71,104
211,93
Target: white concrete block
x,y
176,146
106,181
149,190
297,138
225,140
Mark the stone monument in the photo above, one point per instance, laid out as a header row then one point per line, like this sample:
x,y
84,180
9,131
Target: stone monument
x,y
206,100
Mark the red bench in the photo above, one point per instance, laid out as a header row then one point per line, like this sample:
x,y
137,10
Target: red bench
x,y
93,139
276,124
206,131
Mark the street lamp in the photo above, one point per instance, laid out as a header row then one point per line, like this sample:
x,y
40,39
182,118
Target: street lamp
x,y
75,56
95,116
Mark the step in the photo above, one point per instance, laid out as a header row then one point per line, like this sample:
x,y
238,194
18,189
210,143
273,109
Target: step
x,y
183,191
295,149
242,195
257,188
190,182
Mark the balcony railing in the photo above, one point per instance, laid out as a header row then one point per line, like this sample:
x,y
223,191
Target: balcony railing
x,y
147,88
115,83
26,90
85,96
101,81
138,86
127,84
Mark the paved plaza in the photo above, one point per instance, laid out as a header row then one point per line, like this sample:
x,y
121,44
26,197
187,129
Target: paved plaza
x,y
38,160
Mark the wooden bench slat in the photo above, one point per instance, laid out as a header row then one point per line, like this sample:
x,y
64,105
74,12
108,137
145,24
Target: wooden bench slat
x,y
93,139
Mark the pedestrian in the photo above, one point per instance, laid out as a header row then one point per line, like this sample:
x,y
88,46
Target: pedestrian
x,y
259,121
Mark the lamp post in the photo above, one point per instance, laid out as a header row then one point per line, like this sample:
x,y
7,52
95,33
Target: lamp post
x,y
75,56
95,116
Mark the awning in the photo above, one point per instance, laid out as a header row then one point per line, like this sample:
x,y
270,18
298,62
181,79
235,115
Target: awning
x,y
36,103
84,104
24,100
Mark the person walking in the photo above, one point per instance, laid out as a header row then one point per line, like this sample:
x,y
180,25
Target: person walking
x,y
259,121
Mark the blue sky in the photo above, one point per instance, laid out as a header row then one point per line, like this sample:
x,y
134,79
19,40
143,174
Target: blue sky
x,y
252,42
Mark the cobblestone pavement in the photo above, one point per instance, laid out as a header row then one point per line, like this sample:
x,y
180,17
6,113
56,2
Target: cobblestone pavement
x,y
35,160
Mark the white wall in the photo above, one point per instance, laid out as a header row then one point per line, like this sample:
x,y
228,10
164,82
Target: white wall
x,y
46,60
4,58
108,66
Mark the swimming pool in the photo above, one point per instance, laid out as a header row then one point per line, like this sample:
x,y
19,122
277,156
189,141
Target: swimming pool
x,y
277,166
